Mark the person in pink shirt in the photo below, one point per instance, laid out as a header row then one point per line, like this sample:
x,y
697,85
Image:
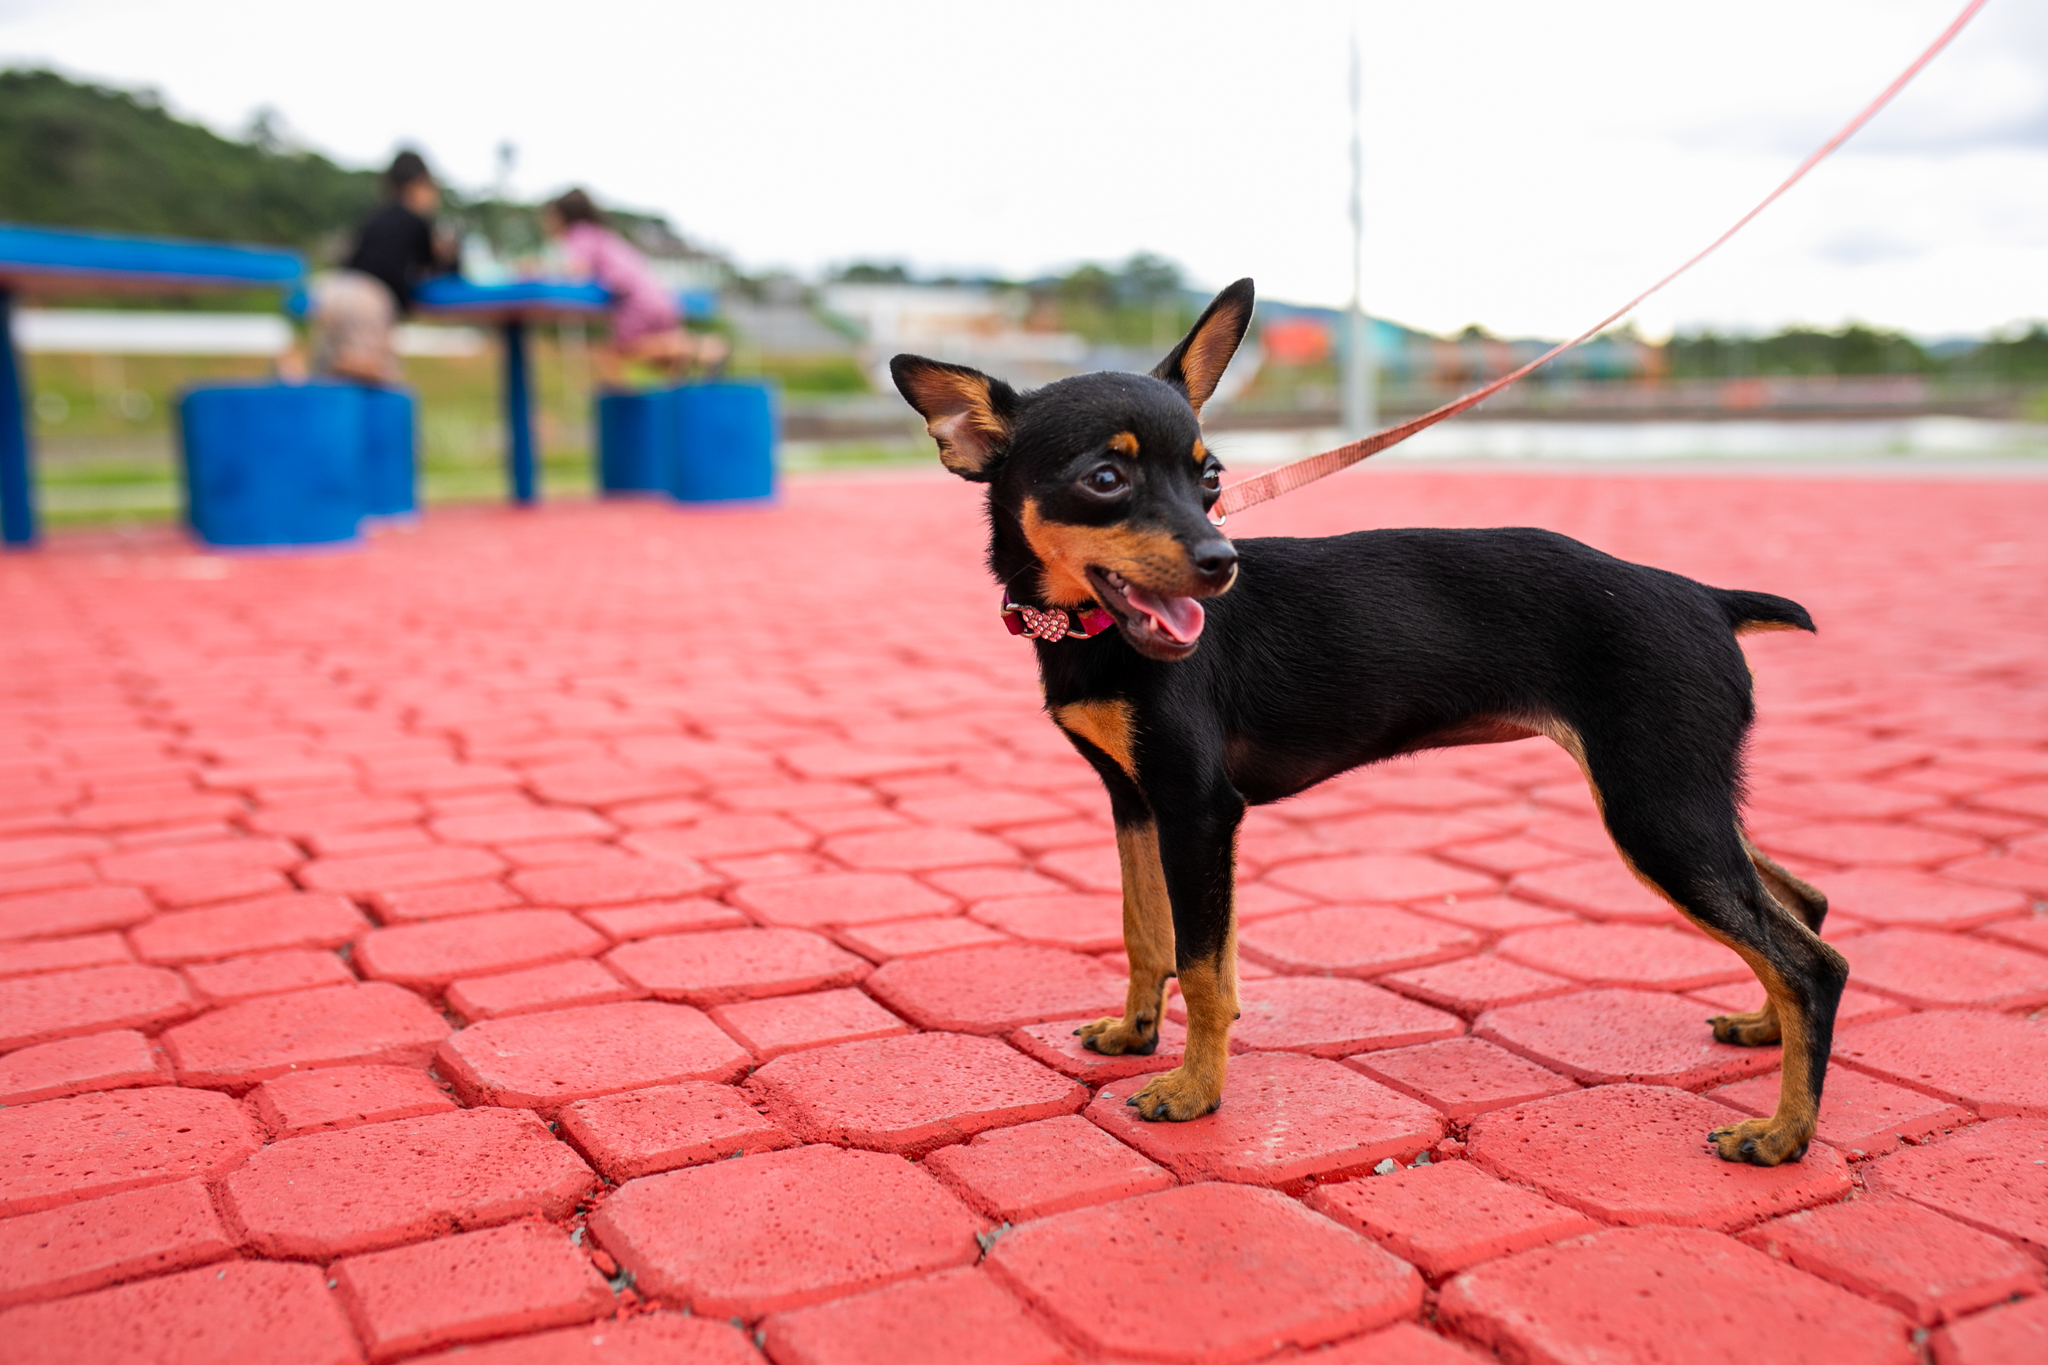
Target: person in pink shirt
x,y
646,324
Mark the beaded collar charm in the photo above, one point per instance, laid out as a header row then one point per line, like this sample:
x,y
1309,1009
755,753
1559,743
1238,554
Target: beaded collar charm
x,y
1052,623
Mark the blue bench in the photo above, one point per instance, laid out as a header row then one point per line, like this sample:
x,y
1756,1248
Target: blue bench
x,y
47,262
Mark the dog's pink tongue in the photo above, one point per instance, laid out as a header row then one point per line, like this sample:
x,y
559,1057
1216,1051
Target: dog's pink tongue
x,y
1178,618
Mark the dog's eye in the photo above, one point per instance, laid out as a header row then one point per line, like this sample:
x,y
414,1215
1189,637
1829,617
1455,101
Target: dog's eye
x,y
1104,479
1212,480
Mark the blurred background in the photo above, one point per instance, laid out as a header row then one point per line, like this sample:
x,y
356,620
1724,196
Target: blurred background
x,y
1040,191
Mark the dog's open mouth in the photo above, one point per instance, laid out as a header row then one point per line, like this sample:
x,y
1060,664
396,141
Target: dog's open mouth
x,y
1161,626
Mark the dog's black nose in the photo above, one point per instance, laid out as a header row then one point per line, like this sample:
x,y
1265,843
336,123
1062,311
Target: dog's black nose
x,y
1215,560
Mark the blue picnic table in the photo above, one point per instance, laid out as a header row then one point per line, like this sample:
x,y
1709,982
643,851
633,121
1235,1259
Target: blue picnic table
x,y
49,262
510,307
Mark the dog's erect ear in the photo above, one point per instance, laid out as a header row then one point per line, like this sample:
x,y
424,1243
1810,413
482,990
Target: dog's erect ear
x,y
965,411
1199,361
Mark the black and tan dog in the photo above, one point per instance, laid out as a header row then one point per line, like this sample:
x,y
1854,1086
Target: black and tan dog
x,y
1328,654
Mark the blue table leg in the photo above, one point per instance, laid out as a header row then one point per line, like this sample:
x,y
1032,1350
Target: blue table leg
x,y
518,414
17,508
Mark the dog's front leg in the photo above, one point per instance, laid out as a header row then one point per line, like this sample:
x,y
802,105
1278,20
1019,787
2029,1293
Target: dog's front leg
x,y
1148,940
1198,860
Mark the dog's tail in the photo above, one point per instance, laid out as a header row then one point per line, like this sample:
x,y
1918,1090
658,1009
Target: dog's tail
x,y
1753,611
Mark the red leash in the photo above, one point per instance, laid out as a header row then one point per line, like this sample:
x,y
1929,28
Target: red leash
x,y
1288,477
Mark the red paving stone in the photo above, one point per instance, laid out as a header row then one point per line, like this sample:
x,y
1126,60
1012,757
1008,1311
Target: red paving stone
x,y
118,1060
646,1339
783,1230
1284,1120
996,989
720,966
1626,955
90,1146
542,1061
261,925
244,978
1359,940
1994,1063
956,1315
1907,1257
769,1028
1493,915
1903,898
1602,889
1647,1159
1860,1115
1473,984
43,1009
642,1132
58,954
153,801
337,1097
1269,1275
1993,1176
1381,877
839,898
362,1189
83,1246
1405,1343
1058,1045
467,1287
1445,1217
424,956
617,881
1328,1017
1084,923
386,871
74,910
235,1047
909,1094
1870,843
250,1312
916,937
1603,1037
1460,1077
1935,971
1611,1297
407,904
2015,1332
1038,1169
625,922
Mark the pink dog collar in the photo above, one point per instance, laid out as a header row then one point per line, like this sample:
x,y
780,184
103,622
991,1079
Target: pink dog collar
x,y
1052,623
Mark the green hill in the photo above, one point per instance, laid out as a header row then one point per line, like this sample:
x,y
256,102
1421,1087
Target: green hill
x,y
85,156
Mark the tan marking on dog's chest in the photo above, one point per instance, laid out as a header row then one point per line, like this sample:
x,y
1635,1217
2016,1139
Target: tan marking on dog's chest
x,y
1105,724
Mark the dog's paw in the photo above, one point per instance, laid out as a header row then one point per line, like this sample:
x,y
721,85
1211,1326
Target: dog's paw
x,y
1753,1029
1177,1096
1115,1037
1760,1142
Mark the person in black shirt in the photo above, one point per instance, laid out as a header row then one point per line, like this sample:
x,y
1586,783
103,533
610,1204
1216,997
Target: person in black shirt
x,y
356,307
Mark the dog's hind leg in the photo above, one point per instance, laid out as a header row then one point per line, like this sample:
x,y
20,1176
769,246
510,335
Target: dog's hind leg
x,y
1801,897
1753,1028
1670,807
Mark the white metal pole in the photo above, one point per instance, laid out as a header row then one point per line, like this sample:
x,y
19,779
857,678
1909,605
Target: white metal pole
x,y
1361,413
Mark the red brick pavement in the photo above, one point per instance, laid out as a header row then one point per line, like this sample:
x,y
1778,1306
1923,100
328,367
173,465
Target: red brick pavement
x,y
534,926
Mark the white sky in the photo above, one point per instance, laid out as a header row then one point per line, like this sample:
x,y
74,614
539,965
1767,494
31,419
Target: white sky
x,y
1528,165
